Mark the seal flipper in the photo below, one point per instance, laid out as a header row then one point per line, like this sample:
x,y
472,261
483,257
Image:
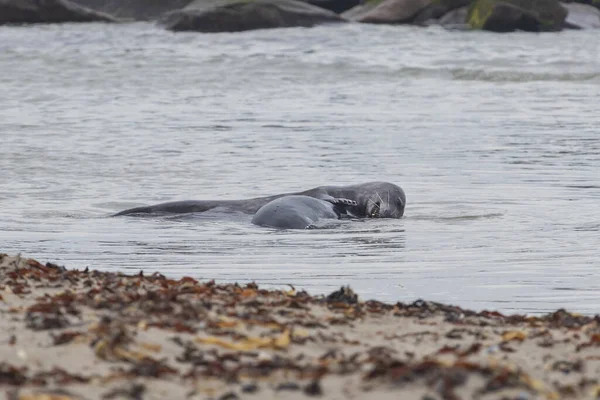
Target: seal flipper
x,y
340,204
342,201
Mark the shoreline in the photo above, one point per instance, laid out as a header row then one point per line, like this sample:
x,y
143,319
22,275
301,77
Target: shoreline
x,y
85,334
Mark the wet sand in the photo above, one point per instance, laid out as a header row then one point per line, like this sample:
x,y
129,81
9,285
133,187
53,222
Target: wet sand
x,y
85,334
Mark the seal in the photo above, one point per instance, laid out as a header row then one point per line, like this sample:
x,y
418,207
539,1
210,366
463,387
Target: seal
x,y
299,211
373,200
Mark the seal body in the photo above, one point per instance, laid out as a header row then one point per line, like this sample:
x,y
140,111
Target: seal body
x,y
295,212
373,200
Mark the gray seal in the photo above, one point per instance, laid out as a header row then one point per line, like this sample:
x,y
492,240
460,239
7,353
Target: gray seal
x,y
373,200
299,211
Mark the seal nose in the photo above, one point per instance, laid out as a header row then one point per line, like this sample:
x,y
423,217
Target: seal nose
x,y
401,204
393,210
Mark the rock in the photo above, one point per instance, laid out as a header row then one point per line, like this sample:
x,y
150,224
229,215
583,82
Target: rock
x,y
138,10
437,9
402,11
47,11
455,19
581,16
337,6
387,11
356,12
429,15
503,17
593,3
243,15
144,10
344,295
511,15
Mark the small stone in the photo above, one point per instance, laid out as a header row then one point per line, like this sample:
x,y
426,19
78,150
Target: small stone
x,y
250,388
288,386
313,389
22,354
522,396
264,356
492,349
344,295
229,396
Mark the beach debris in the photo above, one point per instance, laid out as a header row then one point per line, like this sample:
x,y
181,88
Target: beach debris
x,y
343,295
134,391
126,336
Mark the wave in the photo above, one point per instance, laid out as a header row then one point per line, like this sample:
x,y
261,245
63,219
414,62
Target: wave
x,y
522,76
351,68
479,74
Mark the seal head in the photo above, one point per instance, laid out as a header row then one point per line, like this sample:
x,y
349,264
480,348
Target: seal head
x,y
374,199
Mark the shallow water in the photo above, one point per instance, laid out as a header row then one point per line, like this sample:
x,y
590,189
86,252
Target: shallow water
x,y
494,139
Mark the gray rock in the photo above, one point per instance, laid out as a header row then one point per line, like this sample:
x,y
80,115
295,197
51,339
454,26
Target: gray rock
x,y
593,3
437,10
337,6
152,10
455,19
387,11
138,10
47,11
429,15
581,16
357,11
243,15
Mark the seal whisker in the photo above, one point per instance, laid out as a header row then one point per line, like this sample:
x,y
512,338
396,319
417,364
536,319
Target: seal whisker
x,y
377,205
380,199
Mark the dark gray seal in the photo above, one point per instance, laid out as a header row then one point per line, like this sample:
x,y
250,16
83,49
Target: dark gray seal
x,y
299,211
373,200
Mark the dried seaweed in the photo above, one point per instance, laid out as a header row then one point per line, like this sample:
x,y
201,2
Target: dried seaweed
x,y
240,335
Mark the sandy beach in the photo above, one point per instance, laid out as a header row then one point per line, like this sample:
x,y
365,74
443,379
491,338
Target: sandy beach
x,y
70,333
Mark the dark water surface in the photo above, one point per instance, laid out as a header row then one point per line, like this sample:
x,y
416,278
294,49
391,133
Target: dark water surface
x,y
495,139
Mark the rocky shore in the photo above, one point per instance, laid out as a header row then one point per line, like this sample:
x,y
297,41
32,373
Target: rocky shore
x,y
242,15
85,334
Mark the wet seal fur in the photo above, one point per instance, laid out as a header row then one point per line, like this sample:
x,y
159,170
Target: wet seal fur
x,y
373,200
299,211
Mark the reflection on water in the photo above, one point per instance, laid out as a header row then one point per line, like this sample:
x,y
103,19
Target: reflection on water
x,y
493,137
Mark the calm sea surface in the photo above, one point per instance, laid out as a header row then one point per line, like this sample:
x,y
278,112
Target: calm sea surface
x,y
494,138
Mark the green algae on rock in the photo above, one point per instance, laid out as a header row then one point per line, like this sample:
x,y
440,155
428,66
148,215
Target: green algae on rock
x,y
243,15
511,15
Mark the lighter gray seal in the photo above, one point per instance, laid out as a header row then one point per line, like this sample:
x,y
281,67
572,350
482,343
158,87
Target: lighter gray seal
x,y
299,211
